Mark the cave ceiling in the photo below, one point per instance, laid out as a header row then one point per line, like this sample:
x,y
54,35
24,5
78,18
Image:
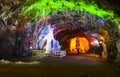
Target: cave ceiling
x,y
12,8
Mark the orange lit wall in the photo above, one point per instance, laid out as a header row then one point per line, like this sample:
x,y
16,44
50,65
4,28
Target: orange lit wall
x,y
84,45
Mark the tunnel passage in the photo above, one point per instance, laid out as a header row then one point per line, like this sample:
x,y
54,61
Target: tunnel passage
x,y
79,45
94,21
73,40
56,32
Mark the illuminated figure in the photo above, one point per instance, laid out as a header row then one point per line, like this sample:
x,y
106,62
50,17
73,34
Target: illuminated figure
x,y
104,52
46,40
78,45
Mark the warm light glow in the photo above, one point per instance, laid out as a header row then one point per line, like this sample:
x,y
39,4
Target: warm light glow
x,y
73,45
102,38
82,42
95,42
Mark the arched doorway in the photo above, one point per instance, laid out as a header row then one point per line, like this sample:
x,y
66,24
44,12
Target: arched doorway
x,y
79,45
74,41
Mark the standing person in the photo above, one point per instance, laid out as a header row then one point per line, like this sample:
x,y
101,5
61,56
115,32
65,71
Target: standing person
x,y
104,52
78,45
100,49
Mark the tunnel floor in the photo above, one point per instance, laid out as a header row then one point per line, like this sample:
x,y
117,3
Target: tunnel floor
x,y
87,65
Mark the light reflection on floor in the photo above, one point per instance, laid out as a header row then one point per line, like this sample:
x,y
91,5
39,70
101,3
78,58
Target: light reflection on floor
x,y
18,62
77,59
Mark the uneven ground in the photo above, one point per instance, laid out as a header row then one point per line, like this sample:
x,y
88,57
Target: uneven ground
x,y
70,66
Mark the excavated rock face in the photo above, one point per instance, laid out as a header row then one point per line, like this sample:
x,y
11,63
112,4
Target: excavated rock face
x,y
9,11
85,22
10,8
76,24
10,38
110,4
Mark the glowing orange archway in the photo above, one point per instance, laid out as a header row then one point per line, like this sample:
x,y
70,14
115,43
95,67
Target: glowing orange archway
x,y
79,43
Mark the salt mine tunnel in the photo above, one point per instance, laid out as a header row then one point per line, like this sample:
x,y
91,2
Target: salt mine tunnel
x,y
77,28
64,35
59,38
73,39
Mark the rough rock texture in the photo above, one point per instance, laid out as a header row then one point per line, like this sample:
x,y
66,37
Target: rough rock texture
x,y
12,39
